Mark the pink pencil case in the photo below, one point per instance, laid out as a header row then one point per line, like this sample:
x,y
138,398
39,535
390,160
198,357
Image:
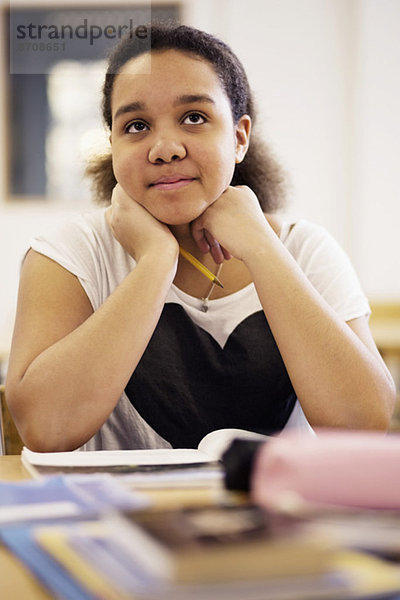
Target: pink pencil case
x,y
347,468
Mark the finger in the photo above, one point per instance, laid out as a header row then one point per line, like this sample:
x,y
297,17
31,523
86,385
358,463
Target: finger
x,y
215,248
200,239
218,252
226,253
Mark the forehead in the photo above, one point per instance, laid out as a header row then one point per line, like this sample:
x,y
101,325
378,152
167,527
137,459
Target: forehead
x,y
170,73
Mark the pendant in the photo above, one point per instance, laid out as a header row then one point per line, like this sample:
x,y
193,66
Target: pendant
x,y
204,306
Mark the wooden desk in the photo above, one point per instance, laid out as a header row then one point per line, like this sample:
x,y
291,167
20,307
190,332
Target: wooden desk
x,y
16,581
12,469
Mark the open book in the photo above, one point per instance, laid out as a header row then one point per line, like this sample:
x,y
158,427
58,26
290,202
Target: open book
x,y
207,455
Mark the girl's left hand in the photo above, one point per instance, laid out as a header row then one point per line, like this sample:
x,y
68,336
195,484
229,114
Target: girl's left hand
x,y
230,226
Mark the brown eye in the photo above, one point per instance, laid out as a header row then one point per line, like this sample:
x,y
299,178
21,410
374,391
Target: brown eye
x,y
136,127
194,118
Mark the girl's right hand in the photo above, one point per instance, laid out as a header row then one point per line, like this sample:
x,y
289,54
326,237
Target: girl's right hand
x,y
135,228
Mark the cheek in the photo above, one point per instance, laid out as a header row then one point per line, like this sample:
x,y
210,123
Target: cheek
x,y
220,164
224,169
117,165
124,167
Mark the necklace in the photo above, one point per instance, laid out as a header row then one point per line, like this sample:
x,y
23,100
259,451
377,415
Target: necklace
x,y
204,301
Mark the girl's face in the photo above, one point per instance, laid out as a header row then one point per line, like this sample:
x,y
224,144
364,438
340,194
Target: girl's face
x,y
174,143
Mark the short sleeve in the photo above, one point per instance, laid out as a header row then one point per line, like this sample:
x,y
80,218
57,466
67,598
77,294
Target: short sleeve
x,y
328,268
85,246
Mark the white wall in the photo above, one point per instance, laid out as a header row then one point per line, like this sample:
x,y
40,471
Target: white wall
x,y
327,83
327,80
16,227
376,151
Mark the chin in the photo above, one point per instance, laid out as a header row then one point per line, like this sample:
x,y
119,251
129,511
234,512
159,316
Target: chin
x,y
178,217
177,221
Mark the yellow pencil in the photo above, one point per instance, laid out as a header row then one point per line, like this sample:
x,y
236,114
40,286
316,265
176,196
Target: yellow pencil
x,y
196,263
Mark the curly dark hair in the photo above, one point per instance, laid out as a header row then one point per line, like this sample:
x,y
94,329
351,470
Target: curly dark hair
x,y
259,170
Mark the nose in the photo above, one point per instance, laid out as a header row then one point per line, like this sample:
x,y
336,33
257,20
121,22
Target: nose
x,y
166,148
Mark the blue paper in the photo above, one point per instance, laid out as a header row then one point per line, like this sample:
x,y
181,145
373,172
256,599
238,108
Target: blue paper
x,y
65,497
20,541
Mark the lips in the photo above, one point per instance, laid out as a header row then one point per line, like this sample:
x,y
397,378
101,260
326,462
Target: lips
x,y
172,182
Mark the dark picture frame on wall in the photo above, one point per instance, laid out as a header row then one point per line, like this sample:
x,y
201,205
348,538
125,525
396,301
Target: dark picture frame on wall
x,y
40,41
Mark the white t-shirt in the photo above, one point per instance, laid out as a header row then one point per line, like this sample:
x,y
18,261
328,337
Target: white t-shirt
x,y
86,247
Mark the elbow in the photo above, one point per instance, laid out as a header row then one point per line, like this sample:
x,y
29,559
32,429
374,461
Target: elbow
x,y
37,441
378,417
368,409
375,404
389,406
378,412
44,435
387,399
380,422
37,432
386,403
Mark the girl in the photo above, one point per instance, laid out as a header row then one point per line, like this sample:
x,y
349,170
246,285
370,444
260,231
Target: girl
x,y
120,343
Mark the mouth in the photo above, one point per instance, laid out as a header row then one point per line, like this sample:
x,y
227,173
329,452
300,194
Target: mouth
x,y
172,182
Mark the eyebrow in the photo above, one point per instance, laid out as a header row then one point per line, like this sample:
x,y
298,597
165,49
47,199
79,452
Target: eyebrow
x,y
193,98
132,107
184,99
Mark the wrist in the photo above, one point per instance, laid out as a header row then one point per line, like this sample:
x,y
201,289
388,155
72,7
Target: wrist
x,y
261,245
165,257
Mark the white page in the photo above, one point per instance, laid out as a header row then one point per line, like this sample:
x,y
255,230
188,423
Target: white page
x,y
211,448
216,442
107,458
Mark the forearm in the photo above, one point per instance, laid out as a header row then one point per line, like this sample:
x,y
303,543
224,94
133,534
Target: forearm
x,y
337,378
70,388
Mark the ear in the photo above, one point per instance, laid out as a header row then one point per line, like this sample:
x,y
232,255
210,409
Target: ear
x,y
242,133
